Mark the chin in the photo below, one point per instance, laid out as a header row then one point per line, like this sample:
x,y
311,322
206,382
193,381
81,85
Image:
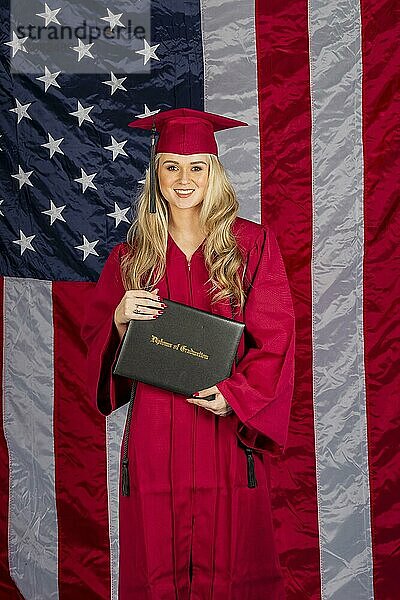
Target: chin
x,y
181,203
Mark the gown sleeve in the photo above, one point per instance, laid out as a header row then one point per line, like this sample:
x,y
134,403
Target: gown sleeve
x,y
260,388
100,334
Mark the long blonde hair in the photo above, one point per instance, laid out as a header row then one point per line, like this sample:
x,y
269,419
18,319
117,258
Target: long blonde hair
x,y
144,264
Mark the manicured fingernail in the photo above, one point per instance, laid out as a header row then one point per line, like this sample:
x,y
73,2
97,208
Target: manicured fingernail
x,y
196,394
155,316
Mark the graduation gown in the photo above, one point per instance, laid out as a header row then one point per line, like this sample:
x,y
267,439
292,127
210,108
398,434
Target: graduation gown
x,y
191,527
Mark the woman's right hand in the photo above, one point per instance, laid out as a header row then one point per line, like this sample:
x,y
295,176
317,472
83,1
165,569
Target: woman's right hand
x,y
148,303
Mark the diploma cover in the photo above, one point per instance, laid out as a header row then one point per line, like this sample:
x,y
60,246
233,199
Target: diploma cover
x,y
184,350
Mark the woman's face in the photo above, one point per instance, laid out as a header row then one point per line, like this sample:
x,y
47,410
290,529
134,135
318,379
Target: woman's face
x,y
183,178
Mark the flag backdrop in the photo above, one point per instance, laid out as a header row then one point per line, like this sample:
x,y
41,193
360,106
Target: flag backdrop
x,y
319,163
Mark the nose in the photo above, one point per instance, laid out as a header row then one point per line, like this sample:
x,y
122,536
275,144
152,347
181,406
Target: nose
x,y
184,175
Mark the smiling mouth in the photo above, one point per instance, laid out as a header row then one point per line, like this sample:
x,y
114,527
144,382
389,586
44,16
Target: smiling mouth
x,y
183,193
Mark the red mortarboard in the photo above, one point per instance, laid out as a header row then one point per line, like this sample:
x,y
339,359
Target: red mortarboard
x,y
182,131
186,131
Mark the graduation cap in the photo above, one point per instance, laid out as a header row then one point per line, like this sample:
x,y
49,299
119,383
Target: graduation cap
x,y
182,131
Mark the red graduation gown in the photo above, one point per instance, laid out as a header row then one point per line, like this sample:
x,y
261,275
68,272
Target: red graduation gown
x,y
189,496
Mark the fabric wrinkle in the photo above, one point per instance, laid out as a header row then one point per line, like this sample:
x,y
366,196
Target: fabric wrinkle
x,y
172,495
146,545
216,501
171,467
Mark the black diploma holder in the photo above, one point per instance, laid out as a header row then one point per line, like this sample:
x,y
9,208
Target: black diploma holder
x,y
184,350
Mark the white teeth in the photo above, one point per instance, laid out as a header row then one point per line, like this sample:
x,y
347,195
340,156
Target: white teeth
x,y
184,191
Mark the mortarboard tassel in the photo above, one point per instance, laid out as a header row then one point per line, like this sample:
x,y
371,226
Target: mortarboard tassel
x,y
152,207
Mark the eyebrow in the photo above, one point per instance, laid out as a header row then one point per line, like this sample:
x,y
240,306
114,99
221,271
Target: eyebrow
x,y
196,162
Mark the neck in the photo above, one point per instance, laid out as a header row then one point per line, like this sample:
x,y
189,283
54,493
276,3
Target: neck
x,y
184,223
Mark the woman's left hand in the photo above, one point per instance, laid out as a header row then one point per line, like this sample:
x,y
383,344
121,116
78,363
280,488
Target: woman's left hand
x,y
219,406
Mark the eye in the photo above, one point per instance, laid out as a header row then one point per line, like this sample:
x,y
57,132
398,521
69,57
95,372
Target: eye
x,y
171,167
197,168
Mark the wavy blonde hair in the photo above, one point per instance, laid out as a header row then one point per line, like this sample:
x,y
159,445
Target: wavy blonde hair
x,y
144,264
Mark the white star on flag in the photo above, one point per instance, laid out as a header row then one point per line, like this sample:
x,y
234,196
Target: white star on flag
x,y
17,43
21,110
87,247
147,112
50,16
24,242
82,114
115,83
86,180
113,20
53,145
49,79
23,177
148,52
117,148
54,212
119,214
83,49
1,202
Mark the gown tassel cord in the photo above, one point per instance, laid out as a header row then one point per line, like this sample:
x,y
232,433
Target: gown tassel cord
x,y
125,460
251,478
251,474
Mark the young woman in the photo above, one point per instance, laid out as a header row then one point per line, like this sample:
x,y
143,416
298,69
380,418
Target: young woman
x,y
197,522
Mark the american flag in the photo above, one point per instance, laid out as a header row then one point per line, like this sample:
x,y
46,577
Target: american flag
x,y
319,163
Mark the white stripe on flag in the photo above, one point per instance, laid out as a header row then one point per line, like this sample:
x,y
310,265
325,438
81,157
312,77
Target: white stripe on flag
x,y
28,429
337,281
230,89
115,424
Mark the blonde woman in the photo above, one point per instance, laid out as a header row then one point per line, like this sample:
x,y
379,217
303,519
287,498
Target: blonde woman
x,y
197,521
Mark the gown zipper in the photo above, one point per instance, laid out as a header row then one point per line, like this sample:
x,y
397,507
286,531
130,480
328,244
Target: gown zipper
x,y
193,450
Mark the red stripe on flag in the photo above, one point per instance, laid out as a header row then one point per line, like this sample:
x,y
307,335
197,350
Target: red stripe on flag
x,y
381,110
8,589
285,126
81,474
